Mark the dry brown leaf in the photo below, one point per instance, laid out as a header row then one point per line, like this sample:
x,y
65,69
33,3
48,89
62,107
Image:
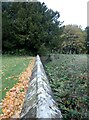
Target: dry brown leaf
x,y
12,103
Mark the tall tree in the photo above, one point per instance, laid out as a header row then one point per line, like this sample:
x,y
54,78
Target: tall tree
x,y
31,26
74,39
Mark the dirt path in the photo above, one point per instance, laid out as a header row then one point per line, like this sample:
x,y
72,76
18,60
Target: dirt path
x,y
12,103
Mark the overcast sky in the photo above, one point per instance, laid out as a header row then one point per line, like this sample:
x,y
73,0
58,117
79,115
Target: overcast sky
x,y
71,11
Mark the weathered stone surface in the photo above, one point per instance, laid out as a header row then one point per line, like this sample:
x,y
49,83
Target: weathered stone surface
x,y
39,102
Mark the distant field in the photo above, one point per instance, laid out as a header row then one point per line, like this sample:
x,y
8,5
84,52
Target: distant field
x,y
68,80
12,68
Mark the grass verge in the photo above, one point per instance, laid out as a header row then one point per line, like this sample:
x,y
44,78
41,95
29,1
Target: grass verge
x,y
12,67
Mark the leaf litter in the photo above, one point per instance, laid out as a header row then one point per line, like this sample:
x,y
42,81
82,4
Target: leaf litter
x,y
13,101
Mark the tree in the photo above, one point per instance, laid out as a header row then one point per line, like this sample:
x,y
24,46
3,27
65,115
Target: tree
x,y
31,26
74,40
87,40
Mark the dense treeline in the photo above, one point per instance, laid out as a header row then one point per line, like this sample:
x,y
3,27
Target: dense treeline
x,y
32,28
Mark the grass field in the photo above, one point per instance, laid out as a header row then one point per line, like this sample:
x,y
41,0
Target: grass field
x,y
12,68
68,80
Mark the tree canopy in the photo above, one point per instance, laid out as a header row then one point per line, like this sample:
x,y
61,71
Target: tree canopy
x,y
74,39
30,27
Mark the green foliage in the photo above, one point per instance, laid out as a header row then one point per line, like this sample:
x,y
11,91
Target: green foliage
x,y
29,26
68,80
87,39
74,40
36,29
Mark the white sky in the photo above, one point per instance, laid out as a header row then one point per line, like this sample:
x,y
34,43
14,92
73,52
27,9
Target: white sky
x,y
71,11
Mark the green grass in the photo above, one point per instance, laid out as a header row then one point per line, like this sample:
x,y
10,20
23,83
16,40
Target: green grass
x,y
68,80
12,67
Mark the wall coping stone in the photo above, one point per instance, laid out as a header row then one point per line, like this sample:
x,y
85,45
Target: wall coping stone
x,y
39,102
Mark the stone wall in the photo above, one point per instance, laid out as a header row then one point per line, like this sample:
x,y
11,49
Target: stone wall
x,y
39,102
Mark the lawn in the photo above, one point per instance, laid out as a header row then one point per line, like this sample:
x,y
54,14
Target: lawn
x,y
68,80
12,68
